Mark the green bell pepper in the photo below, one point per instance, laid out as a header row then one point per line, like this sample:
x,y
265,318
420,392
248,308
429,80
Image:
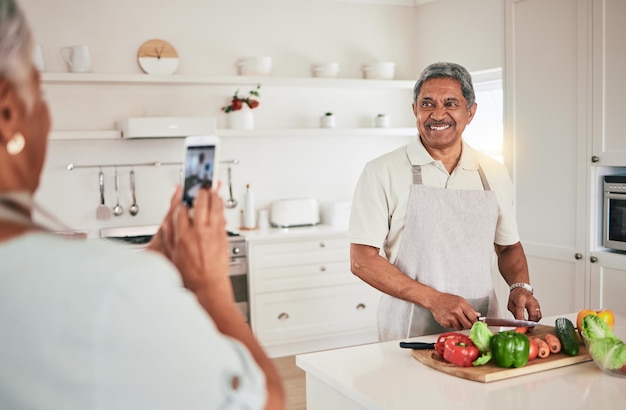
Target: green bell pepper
x,y
510,349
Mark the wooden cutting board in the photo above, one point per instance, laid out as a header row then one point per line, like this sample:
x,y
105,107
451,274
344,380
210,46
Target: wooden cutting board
x,y
491,372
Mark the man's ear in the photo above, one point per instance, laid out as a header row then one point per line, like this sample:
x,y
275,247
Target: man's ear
x,y
8,110
472,111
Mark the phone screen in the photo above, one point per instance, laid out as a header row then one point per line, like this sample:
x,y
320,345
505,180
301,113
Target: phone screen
x,y
199,171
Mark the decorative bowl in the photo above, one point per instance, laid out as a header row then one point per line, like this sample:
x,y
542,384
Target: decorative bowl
x,y
328,70
602,362
384,70
255,66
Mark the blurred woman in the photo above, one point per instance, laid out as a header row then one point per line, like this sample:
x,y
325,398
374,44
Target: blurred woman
x,y
87,324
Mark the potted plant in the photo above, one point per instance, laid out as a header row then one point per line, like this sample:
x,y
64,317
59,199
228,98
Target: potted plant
x,y
327,120
239,110
382,121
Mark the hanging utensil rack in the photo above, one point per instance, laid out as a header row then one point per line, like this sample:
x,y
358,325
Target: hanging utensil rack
x,y
72,166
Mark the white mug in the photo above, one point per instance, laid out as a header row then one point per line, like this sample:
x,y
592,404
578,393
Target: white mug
x,y
77,58
38,60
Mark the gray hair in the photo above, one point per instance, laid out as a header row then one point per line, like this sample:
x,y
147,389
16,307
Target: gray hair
x,y
447,70
16,47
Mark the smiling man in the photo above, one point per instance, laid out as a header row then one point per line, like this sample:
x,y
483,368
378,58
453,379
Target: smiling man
x,y
430,219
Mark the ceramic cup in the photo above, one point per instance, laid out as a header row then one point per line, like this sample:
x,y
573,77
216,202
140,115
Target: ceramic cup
x,y
77,58
38,60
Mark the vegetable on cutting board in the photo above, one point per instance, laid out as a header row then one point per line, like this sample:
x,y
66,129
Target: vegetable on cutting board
x,y
510,349
543,350
459,352
533,349
566,333
481,336
553,342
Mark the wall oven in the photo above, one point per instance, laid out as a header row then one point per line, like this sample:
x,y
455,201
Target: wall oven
x,y
139,236
614,220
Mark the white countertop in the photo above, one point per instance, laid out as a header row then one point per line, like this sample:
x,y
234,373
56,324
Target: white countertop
x,y
385,376
297,232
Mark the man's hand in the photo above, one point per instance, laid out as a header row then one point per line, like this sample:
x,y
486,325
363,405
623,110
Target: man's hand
x,y
521,300
453,311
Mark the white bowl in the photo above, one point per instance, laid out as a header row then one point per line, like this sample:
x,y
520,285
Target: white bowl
x,y
384,70
328,70
255,66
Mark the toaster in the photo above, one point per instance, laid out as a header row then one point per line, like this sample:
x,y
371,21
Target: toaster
x,y
287,213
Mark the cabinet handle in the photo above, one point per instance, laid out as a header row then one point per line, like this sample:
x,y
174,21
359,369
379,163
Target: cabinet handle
x,y
578,256
322,245
283,316
322,268
595,158
360,306
593,259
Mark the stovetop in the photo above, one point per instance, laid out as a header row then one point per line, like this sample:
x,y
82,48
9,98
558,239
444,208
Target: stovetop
x,y
138,235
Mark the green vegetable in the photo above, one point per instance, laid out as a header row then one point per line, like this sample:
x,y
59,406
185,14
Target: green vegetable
x,y
566,333
593,327
510,349
483,359
610,352
481,335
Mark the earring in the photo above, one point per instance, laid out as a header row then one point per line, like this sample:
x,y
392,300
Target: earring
x,y
16,144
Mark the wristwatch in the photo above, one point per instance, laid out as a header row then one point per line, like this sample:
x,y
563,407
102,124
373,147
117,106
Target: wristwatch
x,y
522,285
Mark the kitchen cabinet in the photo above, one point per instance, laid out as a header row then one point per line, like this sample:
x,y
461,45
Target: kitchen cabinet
x,y
303,296
608,281
546,122
562,113
609,84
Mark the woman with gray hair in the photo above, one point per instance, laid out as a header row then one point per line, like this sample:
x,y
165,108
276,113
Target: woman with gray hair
x,y
429,219
87,324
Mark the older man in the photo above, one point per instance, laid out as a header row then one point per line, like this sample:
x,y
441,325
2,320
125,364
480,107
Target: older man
x,y
441,212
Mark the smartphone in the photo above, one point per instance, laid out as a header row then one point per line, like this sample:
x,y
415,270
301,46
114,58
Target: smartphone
x,y
200,162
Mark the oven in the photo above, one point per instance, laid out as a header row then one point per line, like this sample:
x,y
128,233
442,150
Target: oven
x,y
138,237
614,220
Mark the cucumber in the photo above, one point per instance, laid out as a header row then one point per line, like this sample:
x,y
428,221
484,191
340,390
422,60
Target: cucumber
x,y
567,335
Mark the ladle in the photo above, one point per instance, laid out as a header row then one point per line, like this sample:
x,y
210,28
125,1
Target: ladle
x,y
230,202
117,209
134,208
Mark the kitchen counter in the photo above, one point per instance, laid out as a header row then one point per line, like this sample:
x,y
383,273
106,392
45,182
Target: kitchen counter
x,y
297,232
385,376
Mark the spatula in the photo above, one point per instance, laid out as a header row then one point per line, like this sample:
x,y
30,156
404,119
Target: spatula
x,y
102,212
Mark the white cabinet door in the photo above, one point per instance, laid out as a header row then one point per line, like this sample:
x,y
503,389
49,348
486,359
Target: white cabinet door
x,y
608,282
545,120
609,83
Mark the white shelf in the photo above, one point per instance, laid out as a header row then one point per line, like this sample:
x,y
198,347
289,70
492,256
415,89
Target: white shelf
x,y
311,132
147,79
228,133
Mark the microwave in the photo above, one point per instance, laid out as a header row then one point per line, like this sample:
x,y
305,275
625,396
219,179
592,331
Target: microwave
x,y
614,221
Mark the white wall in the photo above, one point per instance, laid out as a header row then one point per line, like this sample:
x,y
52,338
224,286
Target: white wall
x,y
210,36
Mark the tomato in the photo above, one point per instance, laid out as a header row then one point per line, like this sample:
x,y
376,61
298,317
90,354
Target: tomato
x,y
521,330
606,316
533,350
624,369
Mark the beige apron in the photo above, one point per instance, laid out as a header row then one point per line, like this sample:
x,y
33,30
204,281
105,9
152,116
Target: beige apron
x,y
447,244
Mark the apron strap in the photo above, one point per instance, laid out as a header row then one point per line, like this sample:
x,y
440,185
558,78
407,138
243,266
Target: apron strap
x,y
417,174
483,178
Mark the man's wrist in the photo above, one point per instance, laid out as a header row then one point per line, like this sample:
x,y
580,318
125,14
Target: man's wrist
x,y
522,285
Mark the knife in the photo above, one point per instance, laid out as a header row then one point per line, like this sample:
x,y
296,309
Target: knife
x,y
417,345
495,321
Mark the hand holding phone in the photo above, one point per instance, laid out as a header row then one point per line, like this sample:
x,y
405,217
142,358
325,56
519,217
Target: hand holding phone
x,y
201,161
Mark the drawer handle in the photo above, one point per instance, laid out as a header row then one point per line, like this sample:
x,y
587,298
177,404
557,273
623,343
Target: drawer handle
x,y
360,306
322,268
322,245
283,316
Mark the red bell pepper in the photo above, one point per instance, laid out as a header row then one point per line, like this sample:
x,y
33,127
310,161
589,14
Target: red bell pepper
x,y
460,352
440,344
